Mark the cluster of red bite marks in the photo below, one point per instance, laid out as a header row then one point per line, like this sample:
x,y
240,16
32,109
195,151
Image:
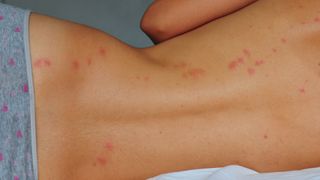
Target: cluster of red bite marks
x,y
243,62
42,63
75,64
143,78
189,72
314,20
103,158
249,62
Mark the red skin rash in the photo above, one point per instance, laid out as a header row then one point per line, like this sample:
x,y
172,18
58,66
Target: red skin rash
x,y
194,73
75,65
251,71
274,50
146,78
246,52
284,40
233,65
240,60
102,161
317,19
109,146
302,90
102,51
259,62
89,61
41,63
265,136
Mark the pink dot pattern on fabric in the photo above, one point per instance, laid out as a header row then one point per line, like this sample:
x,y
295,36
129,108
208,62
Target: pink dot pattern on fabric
x,y
17,29
25,88
11,62
19,134
16,133
5,108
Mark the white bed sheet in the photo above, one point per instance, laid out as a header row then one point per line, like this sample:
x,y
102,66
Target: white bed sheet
x,y
235,172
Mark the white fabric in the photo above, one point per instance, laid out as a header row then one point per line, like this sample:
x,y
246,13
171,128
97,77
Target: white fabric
x,y
235,172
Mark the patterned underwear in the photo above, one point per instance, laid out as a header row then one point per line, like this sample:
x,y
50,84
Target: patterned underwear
x,y
18,156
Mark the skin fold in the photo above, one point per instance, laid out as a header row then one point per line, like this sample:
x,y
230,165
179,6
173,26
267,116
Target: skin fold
x,y
243,89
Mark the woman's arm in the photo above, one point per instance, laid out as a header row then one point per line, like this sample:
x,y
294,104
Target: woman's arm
x,y
168,18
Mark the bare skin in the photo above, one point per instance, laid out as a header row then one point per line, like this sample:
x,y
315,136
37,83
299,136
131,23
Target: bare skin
x,y
165,19
241,90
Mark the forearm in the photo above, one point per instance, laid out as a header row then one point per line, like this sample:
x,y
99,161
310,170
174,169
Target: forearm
x,y
168,18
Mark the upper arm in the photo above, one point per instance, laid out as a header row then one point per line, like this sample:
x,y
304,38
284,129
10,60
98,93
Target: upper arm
x,y
168,18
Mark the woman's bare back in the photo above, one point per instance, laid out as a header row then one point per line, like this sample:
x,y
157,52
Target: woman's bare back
x,y
240,90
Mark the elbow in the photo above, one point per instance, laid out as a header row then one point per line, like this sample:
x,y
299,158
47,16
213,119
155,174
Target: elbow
x,y
156,29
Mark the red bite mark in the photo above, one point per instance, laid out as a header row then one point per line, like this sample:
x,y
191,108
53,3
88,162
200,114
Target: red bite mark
x,y
302,90
109,146
5,108
1,157
89,61
102,51
317,20
42,63
195,72
102,161
284,40
25,88
233,65
146,78
274,50
265,136
246,52
47,62
251,71
240,60
19,134
1,18
16,178
75,64
259,62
